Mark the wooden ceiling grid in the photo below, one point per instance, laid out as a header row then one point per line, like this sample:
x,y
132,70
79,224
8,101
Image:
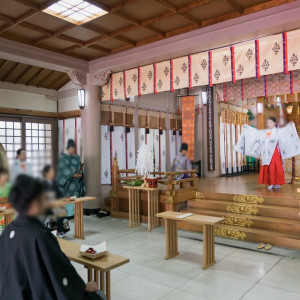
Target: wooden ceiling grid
x,y
20,73
129,23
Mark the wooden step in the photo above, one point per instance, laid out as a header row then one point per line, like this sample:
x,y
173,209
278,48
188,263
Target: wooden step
x,y
250,234
269,223
275,199
247,209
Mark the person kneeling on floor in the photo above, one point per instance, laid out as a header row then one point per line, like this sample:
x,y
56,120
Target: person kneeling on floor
x,y
32,265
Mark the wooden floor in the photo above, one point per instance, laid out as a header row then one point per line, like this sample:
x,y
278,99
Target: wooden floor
x,y
246,184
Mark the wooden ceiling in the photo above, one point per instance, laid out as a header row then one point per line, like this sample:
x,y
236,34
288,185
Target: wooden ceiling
x,y
14,72
129,23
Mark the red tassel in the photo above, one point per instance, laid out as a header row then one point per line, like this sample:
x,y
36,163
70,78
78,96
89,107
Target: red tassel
x,y
210,67
190,73
178,109
285,60
139,81
266,86
257,58
233,64
124,81
198,109
243,89
291,83
155,87
172,83
111,89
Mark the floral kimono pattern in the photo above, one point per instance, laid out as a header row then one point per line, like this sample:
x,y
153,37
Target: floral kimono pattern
x,y
67,167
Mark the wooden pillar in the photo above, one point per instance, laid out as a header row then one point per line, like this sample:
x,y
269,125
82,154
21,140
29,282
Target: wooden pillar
x,y
91,143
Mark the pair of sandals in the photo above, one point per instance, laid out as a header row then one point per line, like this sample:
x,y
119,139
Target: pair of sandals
x,y
264,246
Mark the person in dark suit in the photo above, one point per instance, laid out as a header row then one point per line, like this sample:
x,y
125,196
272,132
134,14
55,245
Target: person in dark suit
x,y
32,265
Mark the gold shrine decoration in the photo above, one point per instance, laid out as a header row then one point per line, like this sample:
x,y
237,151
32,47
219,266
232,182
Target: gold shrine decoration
x,y
250,199
116,115
244,222
230,233
233,117
198,195
240,209
169,199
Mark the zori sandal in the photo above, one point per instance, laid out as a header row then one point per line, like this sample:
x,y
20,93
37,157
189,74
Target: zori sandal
x,y
268,247
261,246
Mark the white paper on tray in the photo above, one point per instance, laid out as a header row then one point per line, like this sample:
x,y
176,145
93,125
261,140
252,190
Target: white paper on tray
x,y
98,248
185,216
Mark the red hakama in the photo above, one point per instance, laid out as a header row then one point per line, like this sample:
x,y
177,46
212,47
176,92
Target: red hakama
x,y
273,173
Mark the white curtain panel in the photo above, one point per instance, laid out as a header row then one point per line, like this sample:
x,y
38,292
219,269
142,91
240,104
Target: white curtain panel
x,y
178,142
163,158
155,147
119,146
105,155
141,140
239,155
232,149
78,133
131,149
173,148
228,150
69,130
222,147
60,136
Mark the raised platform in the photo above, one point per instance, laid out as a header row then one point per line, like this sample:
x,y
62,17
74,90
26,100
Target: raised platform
x,y
251,212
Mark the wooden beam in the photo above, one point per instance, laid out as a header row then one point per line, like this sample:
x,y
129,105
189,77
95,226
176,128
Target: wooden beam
x,y
60,84
22,74
69,114
12,66
55,80
38,84
28,112
4,64
235,6
193,4
33,76
121,4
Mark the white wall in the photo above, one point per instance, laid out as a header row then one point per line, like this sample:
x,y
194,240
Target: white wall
x,y
23,100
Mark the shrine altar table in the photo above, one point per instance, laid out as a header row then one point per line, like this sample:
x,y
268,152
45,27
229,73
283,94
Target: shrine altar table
x,y
8,215
134,206
208,223
78,212
98,269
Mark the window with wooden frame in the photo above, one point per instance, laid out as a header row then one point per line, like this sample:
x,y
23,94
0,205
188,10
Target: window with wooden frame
x,y
37,135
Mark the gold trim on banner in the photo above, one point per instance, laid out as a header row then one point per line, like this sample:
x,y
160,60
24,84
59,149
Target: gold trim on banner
x,y
199,195
230,233
238,209
244,222
252,199
169,199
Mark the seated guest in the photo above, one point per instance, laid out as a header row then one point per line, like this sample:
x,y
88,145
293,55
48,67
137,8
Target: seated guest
x,y
181,162
55,218
20,166
4,192
32,265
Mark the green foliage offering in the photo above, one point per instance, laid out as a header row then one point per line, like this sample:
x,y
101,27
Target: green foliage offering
x,y
251,115
137,182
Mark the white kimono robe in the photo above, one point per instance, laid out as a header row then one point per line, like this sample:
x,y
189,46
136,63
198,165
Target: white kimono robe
x,y
253,142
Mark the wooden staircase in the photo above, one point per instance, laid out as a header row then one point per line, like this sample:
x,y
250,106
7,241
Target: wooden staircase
x,y
266,219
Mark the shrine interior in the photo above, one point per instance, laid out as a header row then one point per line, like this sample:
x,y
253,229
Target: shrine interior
x,y
184,120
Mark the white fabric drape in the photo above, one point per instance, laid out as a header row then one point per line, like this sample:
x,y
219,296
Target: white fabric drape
x,y
69,131
233,142
131,149
228,135
173,148
163,151
222,147
105,155
78,136
118,146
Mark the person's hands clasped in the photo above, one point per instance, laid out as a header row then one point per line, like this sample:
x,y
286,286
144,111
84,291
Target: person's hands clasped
x,y
77,176
91,286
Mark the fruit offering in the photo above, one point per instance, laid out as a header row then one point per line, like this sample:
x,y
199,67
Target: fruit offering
x,y
91,251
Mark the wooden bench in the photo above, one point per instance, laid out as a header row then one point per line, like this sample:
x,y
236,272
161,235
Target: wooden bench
x,y
98,269
78,212
208,224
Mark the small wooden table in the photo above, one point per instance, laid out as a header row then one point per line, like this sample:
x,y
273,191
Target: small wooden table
x,y
78,212
8,215
171,218
134,206
98,269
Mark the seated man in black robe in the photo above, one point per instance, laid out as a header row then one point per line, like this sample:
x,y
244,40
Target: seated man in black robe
x,y
32,265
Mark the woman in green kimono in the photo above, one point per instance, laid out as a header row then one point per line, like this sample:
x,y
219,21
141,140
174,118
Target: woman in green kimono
x,y
69,180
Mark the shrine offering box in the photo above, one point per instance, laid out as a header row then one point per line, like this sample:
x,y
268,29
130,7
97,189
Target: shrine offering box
x,y
152,182
100,250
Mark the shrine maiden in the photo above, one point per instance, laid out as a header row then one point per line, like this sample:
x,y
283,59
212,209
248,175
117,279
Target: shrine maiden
x,y
272,145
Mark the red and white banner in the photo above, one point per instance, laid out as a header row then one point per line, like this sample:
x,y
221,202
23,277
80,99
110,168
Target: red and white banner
x,y
221,65
244,55
131,82
117,86
180,73
162,76
271,55
199,69
105,92
146,80
293,50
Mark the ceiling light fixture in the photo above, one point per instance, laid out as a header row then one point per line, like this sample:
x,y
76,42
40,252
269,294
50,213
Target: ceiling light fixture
x,y
75,11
